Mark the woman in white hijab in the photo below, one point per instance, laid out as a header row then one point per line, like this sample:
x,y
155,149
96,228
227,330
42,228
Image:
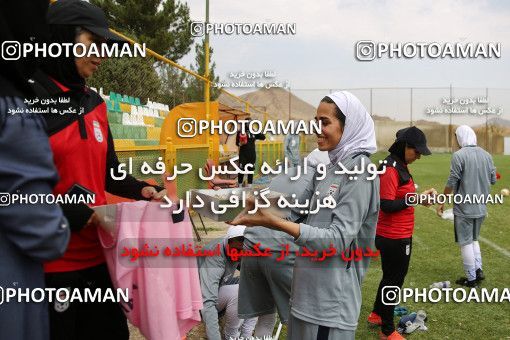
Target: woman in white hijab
x,y
472,172
326,291
465,136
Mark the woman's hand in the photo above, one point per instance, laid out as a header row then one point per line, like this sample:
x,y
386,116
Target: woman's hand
x,y
94,219
259,218
429,193
151,192
440,210
262,217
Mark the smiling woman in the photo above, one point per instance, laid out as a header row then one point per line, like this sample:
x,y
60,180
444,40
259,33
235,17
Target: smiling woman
x,y
326,295
333,122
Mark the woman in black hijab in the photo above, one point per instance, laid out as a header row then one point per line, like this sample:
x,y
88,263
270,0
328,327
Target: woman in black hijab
x,y
247,152
395,224
84,155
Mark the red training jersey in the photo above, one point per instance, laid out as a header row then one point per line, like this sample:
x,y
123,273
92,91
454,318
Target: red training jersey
x,y
82,161
400,224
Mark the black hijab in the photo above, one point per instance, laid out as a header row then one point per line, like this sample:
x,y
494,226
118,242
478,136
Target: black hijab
x,y
23,21
398,149
63,69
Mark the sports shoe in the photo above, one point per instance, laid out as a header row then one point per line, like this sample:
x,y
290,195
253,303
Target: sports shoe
x,y
374,319
393,336
479,275
400,311
466,283
418,323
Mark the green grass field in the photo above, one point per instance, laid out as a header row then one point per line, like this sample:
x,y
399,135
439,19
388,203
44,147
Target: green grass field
x,y
436,257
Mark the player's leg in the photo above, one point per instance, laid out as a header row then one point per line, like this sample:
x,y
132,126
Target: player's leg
x,y
279,277
265,326
107,318
247,327
375,317
476,249
341,334
255,298
299,329
464,231
468,261
478,255
227,301
240,177
395,257
64,315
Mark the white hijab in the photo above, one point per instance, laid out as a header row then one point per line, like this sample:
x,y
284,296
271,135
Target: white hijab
x,y
359,132
465,136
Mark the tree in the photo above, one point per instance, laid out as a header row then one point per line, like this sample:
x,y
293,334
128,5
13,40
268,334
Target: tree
x,y
132,76
195,89
164,25
173,85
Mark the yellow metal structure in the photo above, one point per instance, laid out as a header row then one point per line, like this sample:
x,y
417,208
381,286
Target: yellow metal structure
x,y
174,149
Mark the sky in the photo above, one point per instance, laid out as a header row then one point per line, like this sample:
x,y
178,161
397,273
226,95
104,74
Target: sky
x,y
321,55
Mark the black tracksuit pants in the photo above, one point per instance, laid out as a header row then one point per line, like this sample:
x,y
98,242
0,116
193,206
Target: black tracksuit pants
x,y
90,320
395,256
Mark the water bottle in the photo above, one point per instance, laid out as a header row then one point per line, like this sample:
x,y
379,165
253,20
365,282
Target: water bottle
x,y
442,284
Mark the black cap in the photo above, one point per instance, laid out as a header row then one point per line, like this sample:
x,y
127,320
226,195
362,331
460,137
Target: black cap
x,y
83,14
415,138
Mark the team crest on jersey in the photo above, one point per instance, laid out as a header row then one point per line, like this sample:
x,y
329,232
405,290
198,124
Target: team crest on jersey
x,y
97,131
62,306
332,189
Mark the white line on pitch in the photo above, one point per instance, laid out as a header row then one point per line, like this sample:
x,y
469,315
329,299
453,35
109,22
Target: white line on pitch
x,y
502,251
495,246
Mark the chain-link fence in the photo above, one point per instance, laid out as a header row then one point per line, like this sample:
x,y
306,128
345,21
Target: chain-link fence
x,y
141,93
437,111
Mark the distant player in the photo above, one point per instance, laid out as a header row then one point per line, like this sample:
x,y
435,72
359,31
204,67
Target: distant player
x,y
472,172
220,289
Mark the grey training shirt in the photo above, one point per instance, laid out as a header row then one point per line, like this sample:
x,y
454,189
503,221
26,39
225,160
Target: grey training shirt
x,y
328,292
472,171
274,239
